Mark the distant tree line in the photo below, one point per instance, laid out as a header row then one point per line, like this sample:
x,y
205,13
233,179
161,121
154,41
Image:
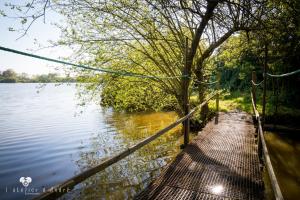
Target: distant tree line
x,y
10,76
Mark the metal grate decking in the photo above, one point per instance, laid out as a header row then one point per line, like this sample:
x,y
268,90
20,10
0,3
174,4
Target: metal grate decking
x,y
220,163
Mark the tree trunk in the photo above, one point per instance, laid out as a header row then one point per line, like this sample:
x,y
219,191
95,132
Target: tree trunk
x,y
201,93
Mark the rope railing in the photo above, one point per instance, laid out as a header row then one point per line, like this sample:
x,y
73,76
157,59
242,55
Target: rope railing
x,y
206,82
262,149
121,73
264,81
284,75
257,84
209,83
69,184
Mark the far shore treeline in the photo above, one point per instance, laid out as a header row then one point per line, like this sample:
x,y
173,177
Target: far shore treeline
x,y
10,76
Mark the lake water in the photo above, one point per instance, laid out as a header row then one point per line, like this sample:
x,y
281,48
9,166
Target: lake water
x,y
44,136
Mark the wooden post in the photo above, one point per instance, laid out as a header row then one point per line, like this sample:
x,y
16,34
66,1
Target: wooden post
x,y
186,123
259,144
218,96
254,87
265,86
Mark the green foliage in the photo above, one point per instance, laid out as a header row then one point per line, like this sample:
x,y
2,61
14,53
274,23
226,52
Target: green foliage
x,y
130,93
236,60
133,94
246,52
8,76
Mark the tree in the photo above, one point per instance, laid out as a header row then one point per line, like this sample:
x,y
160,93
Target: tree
x,y
280,35
106,31
281,42
237,58
8,76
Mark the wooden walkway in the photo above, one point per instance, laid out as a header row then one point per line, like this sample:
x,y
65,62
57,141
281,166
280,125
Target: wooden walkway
x,y
220,163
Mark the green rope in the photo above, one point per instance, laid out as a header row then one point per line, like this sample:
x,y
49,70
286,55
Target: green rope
x,y
122,73
209,83
284,75
205,83
257,84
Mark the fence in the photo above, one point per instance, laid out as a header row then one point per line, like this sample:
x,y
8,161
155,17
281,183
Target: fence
x,y
262,147
67,185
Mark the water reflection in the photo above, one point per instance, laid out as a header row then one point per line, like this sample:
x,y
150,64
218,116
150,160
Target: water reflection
x,y
284,151
129,176
41,138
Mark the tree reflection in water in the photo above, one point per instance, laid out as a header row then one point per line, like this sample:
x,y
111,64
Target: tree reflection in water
x,y
129,176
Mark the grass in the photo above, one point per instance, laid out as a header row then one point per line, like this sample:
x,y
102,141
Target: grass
x,y
233,101
241,100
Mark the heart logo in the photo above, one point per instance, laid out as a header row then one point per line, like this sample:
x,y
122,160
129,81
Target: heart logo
x,y
25,181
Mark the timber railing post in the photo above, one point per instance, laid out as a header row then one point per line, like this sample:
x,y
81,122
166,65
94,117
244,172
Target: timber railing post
x,y
265,87
253,86
254,98
259,142
217,96
186,106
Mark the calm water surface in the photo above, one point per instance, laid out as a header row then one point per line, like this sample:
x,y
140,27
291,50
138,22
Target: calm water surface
x,y
44,136
284,152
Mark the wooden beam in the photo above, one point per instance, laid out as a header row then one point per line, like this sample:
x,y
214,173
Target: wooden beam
x,y
272,176
271,173
265,86
218,96
185,90
254,87
259,145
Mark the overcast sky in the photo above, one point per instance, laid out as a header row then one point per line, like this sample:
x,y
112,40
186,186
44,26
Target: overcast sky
x,y
41,31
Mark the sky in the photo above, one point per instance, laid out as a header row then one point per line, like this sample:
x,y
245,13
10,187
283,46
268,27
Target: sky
x,y
42,32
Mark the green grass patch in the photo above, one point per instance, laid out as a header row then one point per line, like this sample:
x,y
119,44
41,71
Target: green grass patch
x,y
241,100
